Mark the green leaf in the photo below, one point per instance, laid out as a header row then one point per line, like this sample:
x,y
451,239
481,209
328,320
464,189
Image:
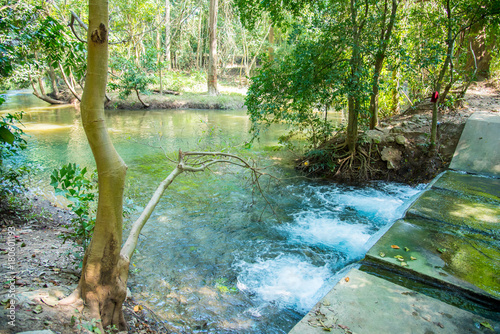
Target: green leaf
x,y
487,325
6,136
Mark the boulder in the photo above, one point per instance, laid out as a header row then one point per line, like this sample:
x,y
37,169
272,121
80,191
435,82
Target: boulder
x,y
392,156
374,136
401,140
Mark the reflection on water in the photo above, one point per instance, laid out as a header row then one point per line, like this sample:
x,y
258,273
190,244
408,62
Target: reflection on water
x,y
208,260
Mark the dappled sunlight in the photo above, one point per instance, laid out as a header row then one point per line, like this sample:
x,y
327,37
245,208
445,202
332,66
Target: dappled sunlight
x,y
476,211
39,127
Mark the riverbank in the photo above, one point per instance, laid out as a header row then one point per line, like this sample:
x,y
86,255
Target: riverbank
x,y
398,149
228,98
436,269
44,270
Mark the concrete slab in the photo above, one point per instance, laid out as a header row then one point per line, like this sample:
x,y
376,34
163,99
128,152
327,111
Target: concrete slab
x,y
478,148
470,185
362,303
462,211
443,255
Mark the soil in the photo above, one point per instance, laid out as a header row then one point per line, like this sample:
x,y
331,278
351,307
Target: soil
x,y
44,269
398,149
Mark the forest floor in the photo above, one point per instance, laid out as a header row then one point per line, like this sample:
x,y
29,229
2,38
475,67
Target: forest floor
x,y
43,269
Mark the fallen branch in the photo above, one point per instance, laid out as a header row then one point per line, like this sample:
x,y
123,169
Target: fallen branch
x,y
166,91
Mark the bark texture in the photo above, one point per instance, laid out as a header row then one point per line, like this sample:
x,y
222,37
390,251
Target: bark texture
x,y
102,284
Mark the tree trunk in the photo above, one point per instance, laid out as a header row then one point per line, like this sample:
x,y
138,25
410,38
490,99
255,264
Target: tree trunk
x,y
395,92
353,96
385,36
104,276
167,35
479,57
199,47
379,61
53,82
42,96
449,54
69,84
270,49
212,63
158,55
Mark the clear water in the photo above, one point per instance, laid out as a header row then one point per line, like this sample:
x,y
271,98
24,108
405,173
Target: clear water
x,y
212,259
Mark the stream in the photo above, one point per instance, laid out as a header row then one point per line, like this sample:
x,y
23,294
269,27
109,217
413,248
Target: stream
x,y
213,257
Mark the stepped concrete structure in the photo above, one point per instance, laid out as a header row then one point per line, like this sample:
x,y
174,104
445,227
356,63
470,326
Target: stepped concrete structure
x,y
437,269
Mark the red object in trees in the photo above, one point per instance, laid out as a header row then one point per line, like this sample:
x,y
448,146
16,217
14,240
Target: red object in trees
x,y
434,97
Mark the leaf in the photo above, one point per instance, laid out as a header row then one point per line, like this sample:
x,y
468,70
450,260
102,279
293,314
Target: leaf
x,y
413,258
399,257
38,309
441,250
6,136
407,249
404,264
487,325
382,254
395,246
347,279
138,308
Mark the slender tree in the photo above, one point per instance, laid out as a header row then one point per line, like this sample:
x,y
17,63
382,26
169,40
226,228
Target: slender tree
x,y
383,42
212,62
103,282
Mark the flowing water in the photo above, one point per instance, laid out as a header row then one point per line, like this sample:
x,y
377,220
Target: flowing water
x,y
212,258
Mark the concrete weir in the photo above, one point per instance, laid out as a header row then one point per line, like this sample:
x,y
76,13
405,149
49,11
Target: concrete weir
x,y
437,269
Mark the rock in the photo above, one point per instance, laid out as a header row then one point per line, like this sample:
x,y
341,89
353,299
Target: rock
x,y
401,140
374,136
392,156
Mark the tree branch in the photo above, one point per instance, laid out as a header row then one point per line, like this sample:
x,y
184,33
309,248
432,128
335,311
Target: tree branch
x,y
183,166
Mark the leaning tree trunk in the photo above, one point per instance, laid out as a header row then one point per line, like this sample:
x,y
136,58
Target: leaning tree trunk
x,y
212,62
385,36
102,284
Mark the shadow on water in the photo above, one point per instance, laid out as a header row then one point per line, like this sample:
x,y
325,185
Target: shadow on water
x,y
210,259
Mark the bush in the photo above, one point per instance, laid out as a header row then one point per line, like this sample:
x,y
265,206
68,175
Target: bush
x,y
72,182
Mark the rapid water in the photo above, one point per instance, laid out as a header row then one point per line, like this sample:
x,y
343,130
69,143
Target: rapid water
x,y
212,258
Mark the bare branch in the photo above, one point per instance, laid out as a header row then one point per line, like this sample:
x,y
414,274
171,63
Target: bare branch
x,y
183,165
71,25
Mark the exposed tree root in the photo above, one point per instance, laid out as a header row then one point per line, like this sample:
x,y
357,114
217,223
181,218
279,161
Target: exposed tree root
x,y
336,160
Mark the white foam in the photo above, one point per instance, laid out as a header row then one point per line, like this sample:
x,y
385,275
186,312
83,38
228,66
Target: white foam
x,y
286,280
329,232
336,225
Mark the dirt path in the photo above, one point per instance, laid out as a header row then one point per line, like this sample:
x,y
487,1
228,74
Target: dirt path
x,y
43,270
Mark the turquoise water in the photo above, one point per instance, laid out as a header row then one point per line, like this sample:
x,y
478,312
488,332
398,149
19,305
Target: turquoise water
x,y
213,258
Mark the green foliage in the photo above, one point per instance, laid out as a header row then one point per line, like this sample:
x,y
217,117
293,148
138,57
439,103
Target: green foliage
x,y
72,182
11,144
11,136
308,76
131,79
32,40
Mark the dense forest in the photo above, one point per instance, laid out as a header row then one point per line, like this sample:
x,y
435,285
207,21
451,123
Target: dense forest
x,y
300,59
